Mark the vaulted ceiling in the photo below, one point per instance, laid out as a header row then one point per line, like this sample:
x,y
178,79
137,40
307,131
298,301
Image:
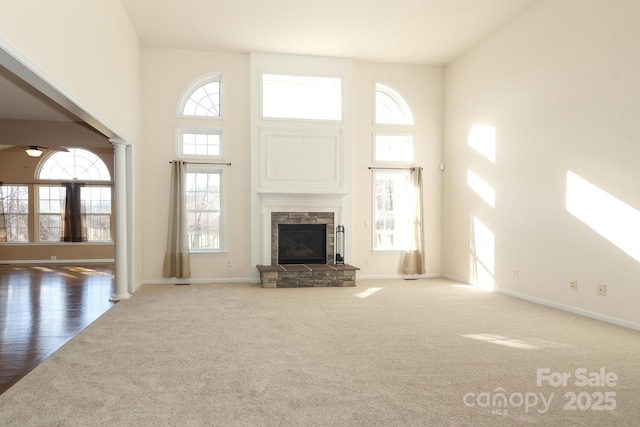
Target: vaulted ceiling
x,y
401,31
407,31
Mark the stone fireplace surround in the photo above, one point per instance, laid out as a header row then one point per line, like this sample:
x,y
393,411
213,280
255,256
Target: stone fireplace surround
x,y
278,218
302,209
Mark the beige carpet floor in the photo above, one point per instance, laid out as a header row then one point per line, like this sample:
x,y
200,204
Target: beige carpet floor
x,y
386,353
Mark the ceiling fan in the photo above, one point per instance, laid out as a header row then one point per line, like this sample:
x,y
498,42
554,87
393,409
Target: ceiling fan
x,y
37,150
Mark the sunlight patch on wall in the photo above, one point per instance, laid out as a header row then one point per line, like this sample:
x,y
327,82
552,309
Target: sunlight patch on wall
x,y
608,216
481,188
482,255
482,138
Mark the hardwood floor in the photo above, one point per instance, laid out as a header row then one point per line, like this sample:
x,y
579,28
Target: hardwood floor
x,y
43,307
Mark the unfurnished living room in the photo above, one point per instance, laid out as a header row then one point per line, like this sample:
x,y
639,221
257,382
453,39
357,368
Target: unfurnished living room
x,y
339,213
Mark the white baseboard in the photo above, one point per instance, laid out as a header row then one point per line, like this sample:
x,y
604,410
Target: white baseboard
x,y
571,309
456,279
397,276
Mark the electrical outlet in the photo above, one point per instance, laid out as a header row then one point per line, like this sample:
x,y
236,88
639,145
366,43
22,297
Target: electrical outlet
x,y
602,290
573,285
229,263
366,260
515,273
53,257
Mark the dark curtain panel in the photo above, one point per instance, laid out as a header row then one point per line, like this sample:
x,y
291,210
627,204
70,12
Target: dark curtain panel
x,y
3,224
74,220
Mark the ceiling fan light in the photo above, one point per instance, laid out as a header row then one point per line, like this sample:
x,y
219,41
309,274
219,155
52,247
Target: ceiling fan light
x,y
33,152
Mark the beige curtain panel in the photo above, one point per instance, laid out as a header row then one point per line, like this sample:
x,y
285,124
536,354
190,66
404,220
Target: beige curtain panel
x,y
176,258
414,259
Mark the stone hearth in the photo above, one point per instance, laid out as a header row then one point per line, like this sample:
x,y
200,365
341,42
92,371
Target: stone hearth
x,y
307,275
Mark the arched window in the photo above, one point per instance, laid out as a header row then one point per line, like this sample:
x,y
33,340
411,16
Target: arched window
x,y
203,100
393,145
204,183
77,208
74,164
391,107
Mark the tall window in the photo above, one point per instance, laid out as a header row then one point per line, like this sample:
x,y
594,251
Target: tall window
x,y
51,200
14,213
203,142
393,146
391,210
77,166
204,209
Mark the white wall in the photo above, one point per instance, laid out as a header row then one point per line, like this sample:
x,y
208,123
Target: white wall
x,y
559,84
88,49
89,52
166,75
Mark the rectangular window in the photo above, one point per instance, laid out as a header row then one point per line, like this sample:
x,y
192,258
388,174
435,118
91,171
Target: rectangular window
x,y
200,143
204,201
391,198
393,148
50,209
15,205
97,208
301,97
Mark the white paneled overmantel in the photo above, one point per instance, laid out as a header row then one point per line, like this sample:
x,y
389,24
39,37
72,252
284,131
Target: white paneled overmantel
x,y
310,160
298,165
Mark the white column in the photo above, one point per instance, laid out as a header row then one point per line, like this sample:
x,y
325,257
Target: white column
x,y
121,232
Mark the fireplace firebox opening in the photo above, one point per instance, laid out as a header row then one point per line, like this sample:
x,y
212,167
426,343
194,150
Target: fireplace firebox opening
x,y
302,243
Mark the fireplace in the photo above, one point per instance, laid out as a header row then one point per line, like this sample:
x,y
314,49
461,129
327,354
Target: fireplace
x,y
320,225
302,243
297,240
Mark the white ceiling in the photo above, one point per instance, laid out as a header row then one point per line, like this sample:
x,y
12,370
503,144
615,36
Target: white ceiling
x,y
403,31
400,31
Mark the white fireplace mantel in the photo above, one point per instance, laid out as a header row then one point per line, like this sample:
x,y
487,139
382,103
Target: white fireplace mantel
x,y
301,202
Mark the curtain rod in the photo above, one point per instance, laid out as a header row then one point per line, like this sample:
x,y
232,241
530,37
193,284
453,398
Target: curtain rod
x,y
204,163
407,168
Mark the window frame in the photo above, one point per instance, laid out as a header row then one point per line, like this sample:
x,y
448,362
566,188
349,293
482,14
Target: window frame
x,y
182,130
378,161
59,182
89,215
374,213
222,227
190,90
398,98
400,166
263,100
38,212
26,215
